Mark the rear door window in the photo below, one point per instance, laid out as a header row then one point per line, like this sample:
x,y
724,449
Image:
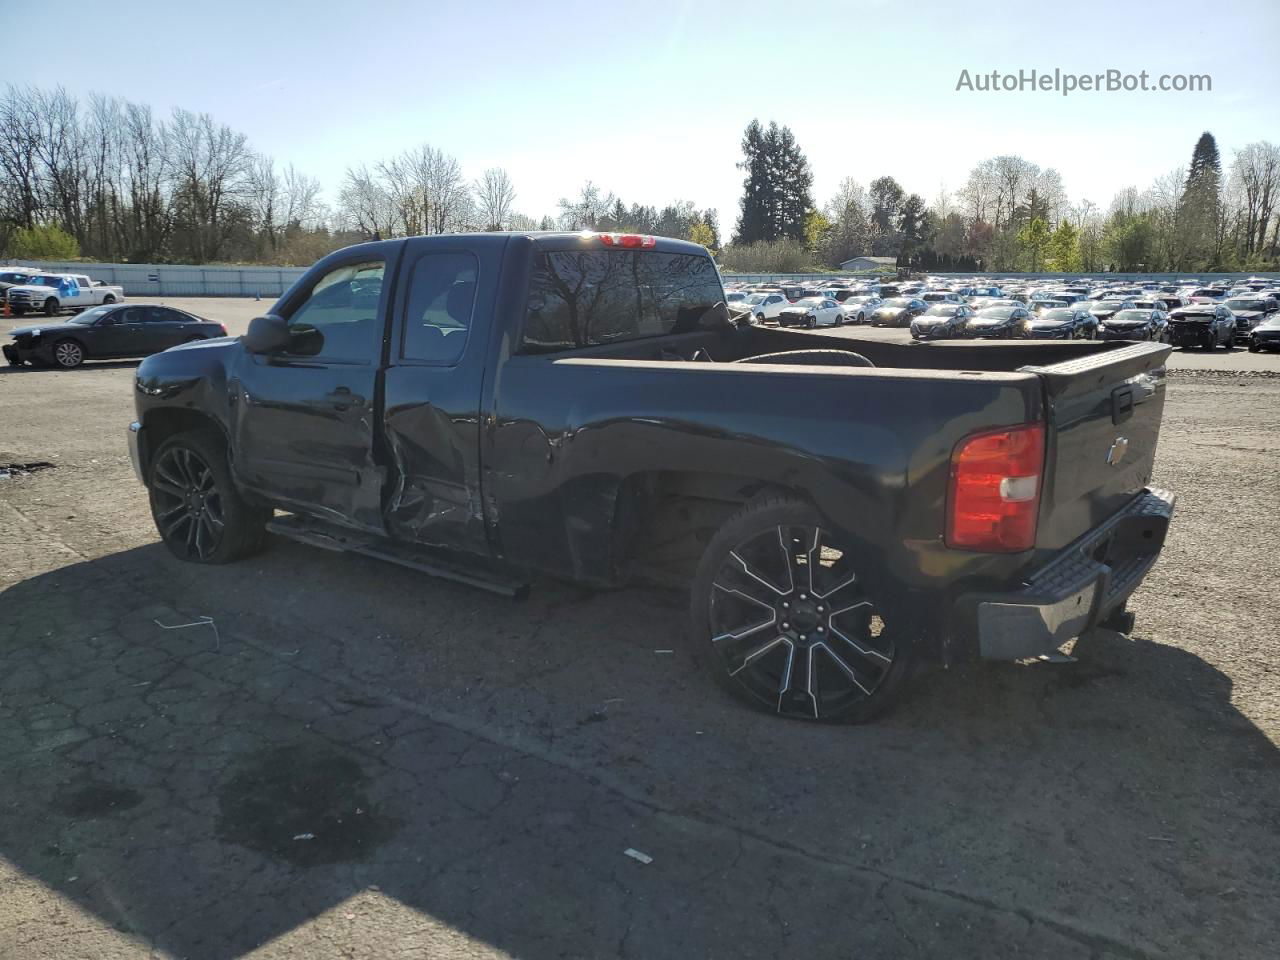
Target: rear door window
x,y
442,297
585,298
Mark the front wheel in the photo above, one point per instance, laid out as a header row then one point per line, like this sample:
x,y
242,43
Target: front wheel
x,y
1254,348
199,513
1231,342
68,354
50,307
783,619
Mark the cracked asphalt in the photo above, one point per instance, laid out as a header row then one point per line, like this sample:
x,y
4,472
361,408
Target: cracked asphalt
x,y
355,760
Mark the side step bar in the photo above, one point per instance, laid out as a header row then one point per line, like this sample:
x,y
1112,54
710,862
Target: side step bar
x,y
331,536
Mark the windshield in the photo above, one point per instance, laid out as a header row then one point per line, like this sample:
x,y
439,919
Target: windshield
x,y
755,298
1105,306
1134,316
44,280
897,302
89,317
1057,315
809,302
1246,305
996,313
942,310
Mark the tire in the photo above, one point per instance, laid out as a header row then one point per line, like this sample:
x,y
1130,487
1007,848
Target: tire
x,y
780,642
1254,348
198,512
51,307
760,318
1231,342
109,298
810,323
67,354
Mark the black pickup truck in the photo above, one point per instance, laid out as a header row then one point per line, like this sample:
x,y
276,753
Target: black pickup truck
x,y
484,407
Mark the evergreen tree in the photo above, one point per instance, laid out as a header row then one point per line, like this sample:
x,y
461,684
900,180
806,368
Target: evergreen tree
x,y
1200,211
758,200
913,226
776,194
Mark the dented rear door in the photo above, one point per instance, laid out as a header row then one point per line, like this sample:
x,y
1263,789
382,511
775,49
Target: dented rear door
x,y
437,363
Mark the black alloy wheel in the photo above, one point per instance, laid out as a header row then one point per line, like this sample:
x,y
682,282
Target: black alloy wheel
x,y
187,504
197,509
784,620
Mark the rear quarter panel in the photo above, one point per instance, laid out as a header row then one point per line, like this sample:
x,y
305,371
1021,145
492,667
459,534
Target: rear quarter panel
x,y
870,448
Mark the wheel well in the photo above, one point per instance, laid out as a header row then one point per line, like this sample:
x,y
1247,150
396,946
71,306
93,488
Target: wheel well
x,y
665,519
166,422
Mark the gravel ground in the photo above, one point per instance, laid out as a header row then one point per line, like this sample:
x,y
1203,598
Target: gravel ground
x,y
356,760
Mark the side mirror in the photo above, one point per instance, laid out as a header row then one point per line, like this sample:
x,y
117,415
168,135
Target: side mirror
x,y
267,334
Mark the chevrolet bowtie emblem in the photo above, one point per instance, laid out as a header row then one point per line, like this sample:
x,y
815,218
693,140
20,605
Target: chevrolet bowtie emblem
x,y
1118,449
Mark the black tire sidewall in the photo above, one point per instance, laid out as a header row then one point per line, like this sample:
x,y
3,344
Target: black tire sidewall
x,y
754,518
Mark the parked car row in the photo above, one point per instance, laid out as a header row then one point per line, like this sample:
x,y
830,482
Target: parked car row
x,y
1186,314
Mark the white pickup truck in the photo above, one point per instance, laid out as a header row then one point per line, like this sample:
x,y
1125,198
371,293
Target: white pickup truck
x,y
55,292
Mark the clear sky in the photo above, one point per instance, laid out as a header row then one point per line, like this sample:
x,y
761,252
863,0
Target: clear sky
x,y
648,98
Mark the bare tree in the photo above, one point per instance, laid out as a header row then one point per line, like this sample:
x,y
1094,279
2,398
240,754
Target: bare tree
x,y
366,205
1255,174
494,195
211,176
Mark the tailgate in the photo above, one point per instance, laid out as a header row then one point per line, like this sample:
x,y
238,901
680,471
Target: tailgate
x,y
1104,415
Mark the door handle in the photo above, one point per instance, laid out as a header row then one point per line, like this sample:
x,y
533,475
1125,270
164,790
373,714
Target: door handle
x,y
342,398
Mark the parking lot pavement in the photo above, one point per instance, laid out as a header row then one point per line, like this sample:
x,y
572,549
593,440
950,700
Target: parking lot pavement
x,y
356,759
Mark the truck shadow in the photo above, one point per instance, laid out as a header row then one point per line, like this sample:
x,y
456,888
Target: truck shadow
x,y
355,745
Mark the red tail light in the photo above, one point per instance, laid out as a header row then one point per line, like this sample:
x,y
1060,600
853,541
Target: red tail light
x,y
994,497
627,240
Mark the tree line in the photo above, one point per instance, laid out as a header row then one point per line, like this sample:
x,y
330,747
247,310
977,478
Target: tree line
x,y
1010,215
108,179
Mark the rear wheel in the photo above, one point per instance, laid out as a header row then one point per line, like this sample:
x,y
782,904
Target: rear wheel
x,y
108,299
1231,341
783,619
199,513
